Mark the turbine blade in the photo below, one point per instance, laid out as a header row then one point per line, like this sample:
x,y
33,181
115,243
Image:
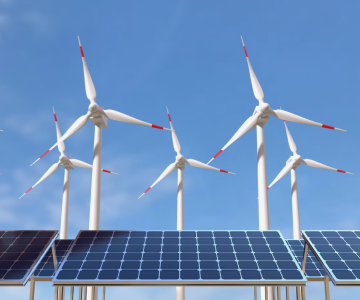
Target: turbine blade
x,y
290,140
61,145
51,170
81,164
198,164
89,85
248,124
287,116
167,171
175,140
120,117
315,164
258,92
79,123
282,173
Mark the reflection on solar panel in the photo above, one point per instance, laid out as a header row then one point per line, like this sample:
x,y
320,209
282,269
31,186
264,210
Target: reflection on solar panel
x,y
45,269
179,258
20,253
338,252
313,269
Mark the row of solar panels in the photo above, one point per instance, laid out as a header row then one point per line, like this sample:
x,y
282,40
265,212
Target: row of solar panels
x,y
179,257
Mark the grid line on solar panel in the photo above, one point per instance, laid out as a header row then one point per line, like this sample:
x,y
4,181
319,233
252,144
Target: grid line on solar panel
x,y
21,252
338,253
313,269
46,267
178,255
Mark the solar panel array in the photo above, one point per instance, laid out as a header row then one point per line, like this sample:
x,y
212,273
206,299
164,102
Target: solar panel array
x,y
338,252
20,252
179,257
313,269
46,267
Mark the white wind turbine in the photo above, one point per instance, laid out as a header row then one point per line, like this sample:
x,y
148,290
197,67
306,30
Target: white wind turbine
x,y
258,120
291,164
179,164
69,164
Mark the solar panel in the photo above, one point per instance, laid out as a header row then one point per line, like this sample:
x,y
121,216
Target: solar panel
x,y
45,270
179,258
21,252
338,253
313,269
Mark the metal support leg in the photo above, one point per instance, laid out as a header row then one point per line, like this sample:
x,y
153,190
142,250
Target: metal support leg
x,y
327,291
273,293
93,293
304,257
287,293
266,293
56,292
60,293
298,293
72,293
255,292
32,288
80,292
103,292
303,293
279,293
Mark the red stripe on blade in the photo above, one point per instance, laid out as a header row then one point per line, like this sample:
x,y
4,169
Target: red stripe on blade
x,y
224,171
341,171
268,188
82,52
245,51
28,190
327,126
44,154
158,127
217,154
55,117
147,190
106,171
169,117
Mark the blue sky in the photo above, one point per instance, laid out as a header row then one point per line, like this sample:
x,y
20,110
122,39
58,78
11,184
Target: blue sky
x,y
187,55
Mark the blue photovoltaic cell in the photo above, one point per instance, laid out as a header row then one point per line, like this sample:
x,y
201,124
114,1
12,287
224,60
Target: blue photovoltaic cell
x,y
313,269
167,257
338,252
20,253
46,267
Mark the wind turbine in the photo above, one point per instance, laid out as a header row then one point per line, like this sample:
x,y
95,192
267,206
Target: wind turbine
x,y
258,119
68,164
291,164
179,164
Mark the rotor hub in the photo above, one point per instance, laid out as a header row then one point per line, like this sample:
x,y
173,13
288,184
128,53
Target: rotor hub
x,y
180,162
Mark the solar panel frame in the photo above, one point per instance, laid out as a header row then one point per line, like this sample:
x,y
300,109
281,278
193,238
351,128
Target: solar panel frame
x,y
166,266
311,259
30,269
332,247
48,259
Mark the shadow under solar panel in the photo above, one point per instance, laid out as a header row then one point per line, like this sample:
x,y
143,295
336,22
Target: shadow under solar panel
x,y
21,252
179,258
338,252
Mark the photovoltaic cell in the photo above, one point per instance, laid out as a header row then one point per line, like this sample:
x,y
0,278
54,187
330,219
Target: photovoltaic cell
x,y
45,269
21,252
313,269
179,257
338,252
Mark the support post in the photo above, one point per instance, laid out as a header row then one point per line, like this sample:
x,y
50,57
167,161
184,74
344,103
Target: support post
x,y
278,293
304,257
295,206
327,291
32,288
255,292
56,293
60,293
298,293
103,293
94,220
65,206
303,293
72,293
287,293
80,292
180,290
264,223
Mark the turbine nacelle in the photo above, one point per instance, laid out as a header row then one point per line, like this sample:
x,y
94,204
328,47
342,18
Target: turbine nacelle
x,y
65,162
295,160
95,109
262,112
180,162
